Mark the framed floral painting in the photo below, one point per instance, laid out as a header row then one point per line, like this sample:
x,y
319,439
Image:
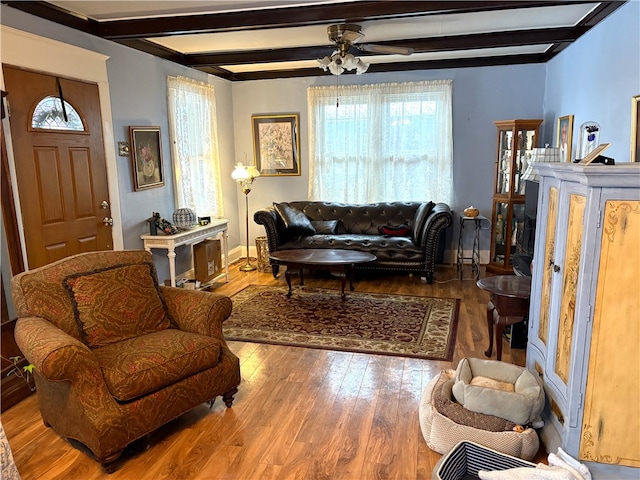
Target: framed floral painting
x,y
146,157
276,144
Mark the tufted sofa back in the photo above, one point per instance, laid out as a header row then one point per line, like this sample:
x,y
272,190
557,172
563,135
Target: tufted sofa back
x,y
360,219
40,292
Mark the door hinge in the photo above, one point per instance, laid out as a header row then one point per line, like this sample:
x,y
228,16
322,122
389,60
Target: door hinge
x,y
589,313
599,218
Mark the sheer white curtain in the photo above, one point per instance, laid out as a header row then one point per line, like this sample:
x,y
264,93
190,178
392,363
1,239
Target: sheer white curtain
x,y
194,146
385,142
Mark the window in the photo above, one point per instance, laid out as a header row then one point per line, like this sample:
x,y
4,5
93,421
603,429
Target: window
x,y
49,115
385,142
194,146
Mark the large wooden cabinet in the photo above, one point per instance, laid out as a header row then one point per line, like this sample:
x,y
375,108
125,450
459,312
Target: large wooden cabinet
x,y
584,320
515,144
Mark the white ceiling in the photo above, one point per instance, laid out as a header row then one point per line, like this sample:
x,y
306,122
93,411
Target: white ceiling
x,y
378,30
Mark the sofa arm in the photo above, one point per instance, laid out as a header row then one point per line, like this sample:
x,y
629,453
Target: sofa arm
x,y
269,219
197,311
55,355
439,219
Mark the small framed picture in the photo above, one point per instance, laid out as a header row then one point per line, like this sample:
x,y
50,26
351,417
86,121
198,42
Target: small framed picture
x,y
146,157
276,144
593,154
564,137
635,131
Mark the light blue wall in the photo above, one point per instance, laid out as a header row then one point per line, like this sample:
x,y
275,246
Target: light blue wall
x,y
480,96
594,80
137,83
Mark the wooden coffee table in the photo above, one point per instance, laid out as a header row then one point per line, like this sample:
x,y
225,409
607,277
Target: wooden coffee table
x,y
337,261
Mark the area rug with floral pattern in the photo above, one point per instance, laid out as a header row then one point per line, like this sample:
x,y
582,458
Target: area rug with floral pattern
x,y
409,326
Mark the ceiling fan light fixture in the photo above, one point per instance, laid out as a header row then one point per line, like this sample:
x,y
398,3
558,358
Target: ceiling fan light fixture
x,y
335,68
338,63
324,63
361,67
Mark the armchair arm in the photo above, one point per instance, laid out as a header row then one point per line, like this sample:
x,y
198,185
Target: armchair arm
x,y
269,218
55,355
197,311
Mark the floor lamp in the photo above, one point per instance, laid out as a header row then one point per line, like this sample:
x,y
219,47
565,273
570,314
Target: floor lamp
x,y
245,175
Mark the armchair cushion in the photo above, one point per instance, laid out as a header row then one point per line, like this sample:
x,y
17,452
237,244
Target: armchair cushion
x,y
116,303
294,220
147,363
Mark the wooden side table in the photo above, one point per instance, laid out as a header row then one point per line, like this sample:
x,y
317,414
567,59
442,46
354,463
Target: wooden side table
x,y
508,305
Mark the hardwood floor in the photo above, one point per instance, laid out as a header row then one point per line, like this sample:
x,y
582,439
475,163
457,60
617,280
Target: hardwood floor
x,y
299,413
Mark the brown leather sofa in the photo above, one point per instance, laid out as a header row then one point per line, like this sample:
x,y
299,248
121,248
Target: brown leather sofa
x,y
413,231
116,355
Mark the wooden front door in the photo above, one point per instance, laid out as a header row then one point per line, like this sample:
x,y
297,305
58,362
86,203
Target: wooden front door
x,y
60,165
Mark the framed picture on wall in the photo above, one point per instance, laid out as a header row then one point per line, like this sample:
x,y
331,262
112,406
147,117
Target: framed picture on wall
x,y
276,144
146,157
564,137
635,131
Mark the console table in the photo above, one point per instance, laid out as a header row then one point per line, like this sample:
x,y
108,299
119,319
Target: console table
x,y
188,237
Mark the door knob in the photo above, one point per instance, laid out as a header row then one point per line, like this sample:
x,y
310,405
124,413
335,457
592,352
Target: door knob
x,y
104,204
108,221
556,268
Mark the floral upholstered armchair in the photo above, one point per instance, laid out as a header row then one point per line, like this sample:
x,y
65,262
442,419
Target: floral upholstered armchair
x,y
116,355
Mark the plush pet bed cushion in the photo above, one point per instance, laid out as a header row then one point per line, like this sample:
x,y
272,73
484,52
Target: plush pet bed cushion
x,y
523,405
442,433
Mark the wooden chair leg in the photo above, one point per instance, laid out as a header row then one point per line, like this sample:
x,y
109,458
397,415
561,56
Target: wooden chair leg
x,y
490,310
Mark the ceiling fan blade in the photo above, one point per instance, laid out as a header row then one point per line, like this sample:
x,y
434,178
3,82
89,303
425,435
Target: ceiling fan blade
x,y
388,49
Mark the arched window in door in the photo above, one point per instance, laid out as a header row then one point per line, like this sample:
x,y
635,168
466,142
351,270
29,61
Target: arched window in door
x,y
49,115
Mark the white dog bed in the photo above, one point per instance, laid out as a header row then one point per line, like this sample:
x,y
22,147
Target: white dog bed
x,y
442,433
498,388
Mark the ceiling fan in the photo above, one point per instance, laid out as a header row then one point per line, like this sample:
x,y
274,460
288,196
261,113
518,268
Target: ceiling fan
x,y
345,36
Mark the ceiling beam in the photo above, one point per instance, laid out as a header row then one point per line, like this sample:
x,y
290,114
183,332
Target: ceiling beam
x,y
133,33
419,45
270,18
403,66
56,14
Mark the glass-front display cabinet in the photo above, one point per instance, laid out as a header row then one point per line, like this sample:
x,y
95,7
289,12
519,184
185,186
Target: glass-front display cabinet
x,y
516,141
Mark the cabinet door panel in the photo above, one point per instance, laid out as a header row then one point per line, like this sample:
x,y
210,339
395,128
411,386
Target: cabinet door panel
x,y
549,261
570,269
611,423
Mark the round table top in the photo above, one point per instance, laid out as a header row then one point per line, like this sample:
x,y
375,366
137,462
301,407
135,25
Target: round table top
x,y
507,285
322,256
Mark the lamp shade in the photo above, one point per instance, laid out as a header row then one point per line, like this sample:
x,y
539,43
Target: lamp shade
x,y
240,173
253,172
